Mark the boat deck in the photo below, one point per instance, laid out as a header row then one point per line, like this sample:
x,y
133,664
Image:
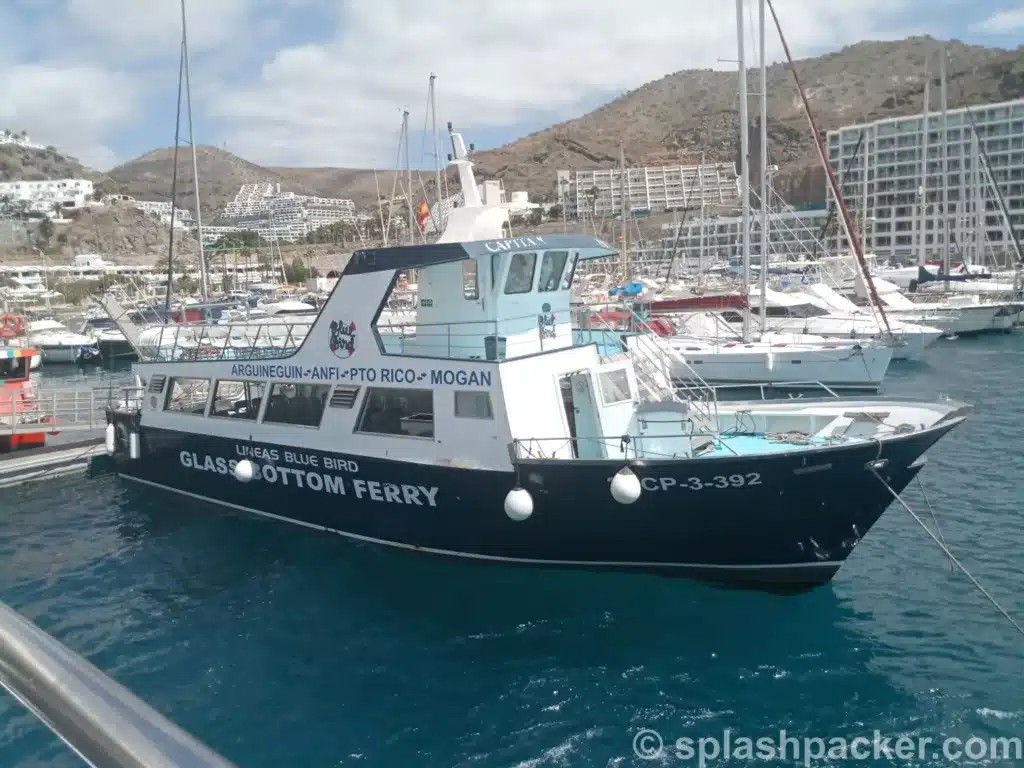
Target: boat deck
x,y
758,445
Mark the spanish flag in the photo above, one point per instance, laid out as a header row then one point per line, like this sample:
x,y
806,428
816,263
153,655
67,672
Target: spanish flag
x,y
422,214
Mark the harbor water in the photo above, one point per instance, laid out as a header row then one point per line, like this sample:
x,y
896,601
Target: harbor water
x,y
278,646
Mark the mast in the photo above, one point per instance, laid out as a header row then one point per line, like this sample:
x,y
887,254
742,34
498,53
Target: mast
x,y
700,246
203,280
438,224
977,185
174,187
819,146
408,176
625,208
744,168
922,254
764,168
945,165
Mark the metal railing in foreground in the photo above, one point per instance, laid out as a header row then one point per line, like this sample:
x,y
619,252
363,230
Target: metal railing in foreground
x,y
59,410
99,719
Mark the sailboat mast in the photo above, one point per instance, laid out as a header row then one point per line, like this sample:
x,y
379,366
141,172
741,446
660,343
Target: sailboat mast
x,y
625,209
408,176
203,279
922,253
438,224
174,187
744,167
764,168
945,163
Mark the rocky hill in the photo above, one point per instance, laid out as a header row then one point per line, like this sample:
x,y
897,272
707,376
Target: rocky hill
x,y
695,111
678,116
221,174
119,232
29,164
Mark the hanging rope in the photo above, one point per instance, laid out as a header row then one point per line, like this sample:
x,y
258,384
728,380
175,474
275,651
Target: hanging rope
x,y
952,558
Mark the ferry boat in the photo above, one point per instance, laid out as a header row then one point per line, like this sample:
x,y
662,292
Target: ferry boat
x,y
484,433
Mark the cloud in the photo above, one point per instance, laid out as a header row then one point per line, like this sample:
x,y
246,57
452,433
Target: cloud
x,y
145,29
73,108
323,82
337,102
1000,23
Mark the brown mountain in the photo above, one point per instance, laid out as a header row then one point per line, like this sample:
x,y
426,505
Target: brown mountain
x,y
695,111
681,114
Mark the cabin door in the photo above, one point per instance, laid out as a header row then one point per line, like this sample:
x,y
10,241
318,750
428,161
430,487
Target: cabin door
x,y
587,432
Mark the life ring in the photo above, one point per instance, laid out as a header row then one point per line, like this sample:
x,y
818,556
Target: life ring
x,y
11,326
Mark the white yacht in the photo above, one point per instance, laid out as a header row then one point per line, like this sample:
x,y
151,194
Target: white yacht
x,y
57,344
716,351
821,311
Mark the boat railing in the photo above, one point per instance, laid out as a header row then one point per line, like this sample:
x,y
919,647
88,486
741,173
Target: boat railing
x,y
103,722
57,410
792,390
612,447
655,358
498,339
241,340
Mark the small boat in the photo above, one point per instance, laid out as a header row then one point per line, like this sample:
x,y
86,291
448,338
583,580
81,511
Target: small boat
x,y
485,432
18,409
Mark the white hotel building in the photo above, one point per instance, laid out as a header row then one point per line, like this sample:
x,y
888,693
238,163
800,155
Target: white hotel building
x,y
277,215
598,193
884,181
45,196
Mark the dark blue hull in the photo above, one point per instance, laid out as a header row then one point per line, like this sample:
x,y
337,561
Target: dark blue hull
x,y
788,526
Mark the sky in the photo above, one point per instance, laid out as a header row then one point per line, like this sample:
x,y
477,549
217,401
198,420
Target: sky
x,y
324,82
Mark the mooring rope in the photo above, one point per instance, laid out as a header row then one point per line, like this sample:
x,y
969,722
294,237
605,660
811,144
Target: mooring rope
x,y
952,558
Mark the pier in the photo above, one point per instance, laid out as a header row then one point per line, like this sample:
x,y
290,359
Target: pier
x,y
71,420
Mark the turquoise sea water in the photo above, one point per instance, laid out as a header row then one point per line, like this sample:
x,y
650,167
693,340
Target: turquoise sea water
x,y
278,646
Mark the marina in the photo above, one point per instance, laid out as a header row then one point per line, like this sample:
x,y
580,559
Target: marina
x,y
698,463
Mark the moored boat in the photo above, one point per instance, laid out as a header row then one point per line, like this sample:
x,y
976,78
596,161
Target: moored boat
x,y
483,432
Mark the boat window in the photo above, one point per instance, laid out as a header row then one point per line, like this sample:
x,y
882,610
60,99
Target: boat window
x,y
394,411
570,270
495,268
551,271
301,405
473,405
520,273
237,399
186,395
470,284
614,386
14,368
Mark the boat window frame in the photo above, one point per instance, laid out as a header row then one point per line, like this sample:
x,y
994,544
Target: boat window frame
x,y
474,294
259,411
601,385
554,279
325,404
368,391
170,392
570,270
455,404
533,273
